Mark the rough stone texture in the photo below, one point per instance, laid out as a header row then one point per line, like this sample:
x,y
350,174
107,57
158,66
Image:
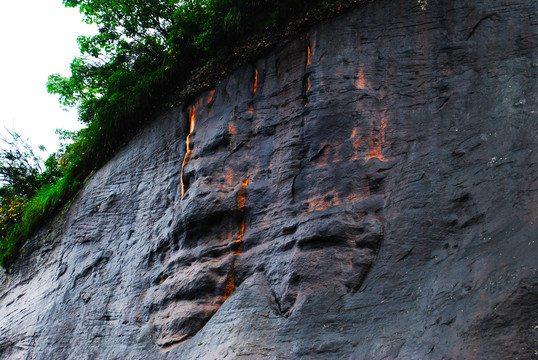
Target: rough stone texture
x,y
369,191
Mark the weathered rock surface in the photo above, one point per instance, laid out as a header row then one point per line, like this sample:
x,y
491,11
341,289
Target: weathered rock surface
x,y
368,191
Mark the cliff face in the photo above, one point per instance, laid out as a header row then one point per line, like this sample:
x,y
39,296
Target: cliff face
x,y
367,191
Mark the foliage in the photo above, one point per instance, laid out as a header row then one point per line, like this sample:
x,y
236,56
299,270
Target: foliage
x,y
23,180
142,49
19,166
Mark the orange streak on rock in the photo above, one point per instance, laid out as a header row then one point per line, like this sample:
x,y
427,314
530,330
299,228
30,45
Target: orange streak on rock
x,y
239,239
321,203
229,177
377,140
192,118
255,86
229,288
308,50
241,197
354,197
241,233
211,94
357,141
360,80
230,282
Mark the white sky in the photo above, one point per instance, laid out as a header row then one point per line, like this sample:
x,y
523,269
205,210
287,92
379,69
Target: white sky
x,y
38,38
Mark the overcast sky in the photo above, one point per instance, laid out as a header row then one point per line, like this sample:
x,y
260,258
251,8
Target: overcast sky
x,y
38,38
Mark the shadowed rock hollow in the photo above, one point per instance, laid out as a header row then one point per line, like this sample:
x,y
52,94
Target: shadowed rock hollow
x,y
367,191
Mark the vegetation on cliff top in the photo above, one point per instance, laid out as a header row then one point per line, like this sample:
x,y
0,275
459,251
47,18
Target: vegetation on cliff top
x,y
143,49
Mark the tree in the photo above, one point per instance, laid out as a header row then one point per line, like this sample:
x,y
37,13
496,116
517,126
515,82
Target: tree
x,y
130,45
19,166
21,176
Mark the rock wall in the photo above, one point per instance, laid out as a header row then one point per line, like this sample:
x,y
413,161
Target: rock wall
x,y
367,191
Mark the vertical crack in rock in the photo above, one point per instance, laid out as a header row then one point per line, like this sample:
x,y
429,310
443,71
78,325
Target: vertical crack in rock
x,y
255,82
229,287
211,97
308,50
230,281
192,122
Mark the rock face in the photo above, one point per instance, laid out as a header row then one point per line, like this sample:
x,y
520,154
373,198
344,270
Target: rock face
x,y
368,191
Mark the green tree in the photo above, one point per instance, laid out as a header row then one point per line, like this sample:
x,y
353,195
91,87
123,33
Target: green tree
x,y
20,168
130,45
22,174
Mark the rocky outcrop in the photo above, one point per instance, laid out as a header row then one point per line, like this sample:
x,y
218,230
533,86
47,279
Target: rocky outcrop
x,y
367,191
